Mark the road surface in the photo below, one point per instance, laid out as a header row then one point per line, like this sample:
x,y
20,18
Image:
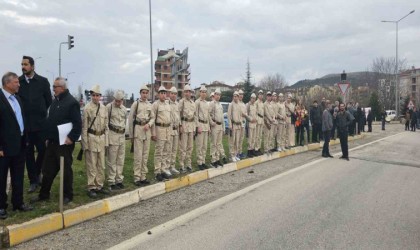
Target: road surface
x,y
369,202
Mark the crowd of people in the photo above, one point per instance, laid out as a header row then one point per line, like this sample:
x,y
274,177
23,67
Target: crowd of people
x,y
412,119
30,117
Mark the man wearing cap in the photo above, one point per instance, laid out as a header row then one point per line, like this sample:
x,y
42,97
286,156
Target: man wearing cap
x,y
161,134
188,126
176,123
217,126
94,141
252,117
140,121
260,123
117,114
269,121
290,127
235,125
281,127
202,120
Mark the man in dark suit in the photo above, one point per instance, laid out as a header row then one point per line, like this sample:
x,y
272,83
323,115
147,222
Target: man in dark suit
x,y
36,98
12,144
64,109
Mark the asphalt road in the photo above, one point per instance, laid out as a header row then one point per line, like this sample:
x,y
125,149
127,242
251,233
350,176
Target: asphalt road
x,y
108,230
369,202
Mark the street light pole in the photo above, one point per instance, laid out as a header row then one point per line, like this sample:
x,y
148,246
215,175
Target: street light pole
x,y
396,60
152,85
59,59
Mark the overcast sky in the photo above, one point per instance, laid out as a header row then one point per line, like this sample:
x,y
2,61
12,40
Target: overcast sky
x,y
299,39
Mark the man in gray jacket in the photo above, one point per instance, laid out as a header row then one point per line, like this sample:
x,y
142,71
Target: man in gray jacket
x,y
327,125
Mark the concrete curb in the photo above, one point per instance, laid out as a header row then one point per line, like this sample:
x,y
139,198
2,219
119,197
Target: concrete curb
x,y
151,191
16,234
177,183
213,172
198,176
86,212
35,228
123,200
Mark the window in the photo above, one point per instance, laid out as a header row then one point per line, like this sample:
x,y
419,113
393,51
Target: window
x,y
413,80
413,88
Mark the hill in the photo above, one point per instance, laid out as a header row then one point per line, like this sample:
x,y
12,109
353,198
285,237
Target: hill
x,y
364,78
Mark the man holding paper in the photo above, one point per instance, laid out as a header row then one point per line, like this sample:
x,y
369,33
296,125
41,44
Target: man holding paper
x,y
63,118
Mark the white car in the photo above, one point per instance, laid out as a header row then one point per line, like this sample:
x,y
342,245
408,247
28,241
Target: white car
x,y
390,115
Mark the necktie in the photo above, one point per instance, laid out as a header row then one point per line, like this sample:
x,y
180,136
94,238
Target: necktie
x,y
18,112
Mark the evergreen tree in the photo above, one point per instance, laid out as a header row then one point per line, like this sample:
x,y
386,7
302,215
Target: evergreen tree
x,y
375,105
403,107
226,96
248,87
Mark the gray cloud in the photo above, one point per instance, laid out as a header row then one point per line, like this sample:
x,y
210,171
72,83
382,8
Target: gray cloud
x,y
299,39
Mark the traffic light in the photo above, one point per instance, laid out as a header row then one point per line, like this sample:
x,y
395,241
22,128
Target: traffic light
x,y
87,94
70,41
343,76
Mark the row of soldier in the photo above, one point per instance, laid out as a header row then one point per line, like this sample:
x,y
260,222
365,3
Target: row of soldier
x,y
170,124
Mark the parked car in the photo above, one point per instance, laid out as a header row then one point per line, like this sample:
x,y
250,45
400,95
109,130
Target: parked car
x,y
390,115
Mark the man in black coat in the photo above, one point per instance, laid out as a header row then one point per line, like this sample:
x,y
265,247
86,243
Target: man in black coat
x,y
344,120
316,121
64,109
369,120
35,94
12,144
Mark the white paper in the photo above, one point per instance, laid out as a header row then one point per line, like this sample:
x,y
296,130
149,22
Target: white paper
x,y
63,131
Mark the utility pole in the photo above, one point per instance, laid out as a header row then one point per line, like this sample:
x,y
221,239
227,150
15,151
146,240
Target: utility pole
x,y
396,60
152,85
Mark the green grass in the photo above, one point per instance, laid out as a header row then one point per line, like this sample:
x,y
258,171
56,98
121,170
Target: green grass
x,y
80,183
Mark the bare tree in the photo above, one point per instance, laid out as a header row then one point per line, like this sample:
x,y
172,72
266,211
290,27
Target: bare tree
x,y
273,82
384,69
108,96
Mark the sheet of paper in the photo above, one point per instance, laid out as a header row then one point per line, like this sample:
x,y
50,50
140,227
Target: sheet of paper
x,y
63,131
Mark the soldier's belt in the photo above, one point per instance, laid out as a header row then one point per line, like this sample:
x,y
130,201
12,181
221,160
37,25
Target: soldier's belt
x,y
94,132
162,124
260,115
202,121
141,123
116,130
237,123
218,123
187,120
174,127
